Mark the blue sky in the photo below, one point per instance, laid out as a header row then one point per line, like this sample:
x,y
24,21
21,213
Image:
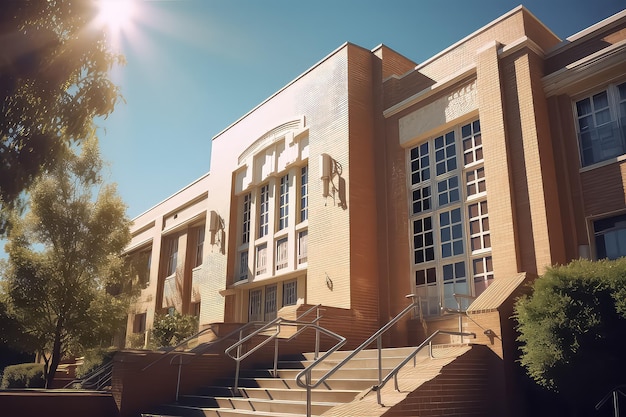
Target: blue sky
x,y
195,66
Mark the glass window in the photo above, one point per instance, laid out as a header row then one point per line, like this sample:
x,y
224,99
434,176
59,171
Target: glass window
x,y
290,293
445,153
304,193
261,259
479,226
423,240
421,200
283,203
448,191
472,143
475,181
282,254
610,237
172,255
243,266
270,303
264,210
303,237
245,232
600,120
199,245
420,164
255,307
451,233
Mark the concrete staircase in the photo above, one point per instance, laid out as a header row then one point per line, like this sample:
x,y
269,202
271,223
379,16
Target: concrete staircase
x,y
347,392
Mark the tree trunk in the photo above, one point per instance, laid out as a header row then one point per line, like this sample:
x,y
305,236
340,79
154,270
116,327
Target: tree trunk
x,y
56,355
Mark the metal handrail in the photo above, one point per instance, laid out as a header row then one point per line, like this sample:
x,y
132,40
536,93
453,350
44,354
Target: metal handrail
x,y
194,336
102,375
394,372
375,337
277,322
613,394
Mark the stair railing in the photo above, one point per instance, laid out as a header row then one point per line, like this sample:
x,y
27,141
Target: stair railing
x,y
306,373
614,395
96,379
276,324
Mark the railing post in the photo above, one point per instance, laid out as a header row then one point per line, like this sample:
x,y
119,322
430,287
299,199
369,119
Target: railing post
x,y
276,354
458,305
615,403
237,362
379,345
317,336
180,365
308,393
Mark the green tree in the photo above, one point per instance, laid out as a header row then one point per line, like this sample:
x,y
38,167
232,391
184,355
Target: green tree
x,y
573,330
64,258
54,65
171,329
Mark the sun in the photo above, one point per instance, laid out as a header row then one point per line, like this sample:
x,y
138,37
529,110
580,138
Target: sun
x,y
116,15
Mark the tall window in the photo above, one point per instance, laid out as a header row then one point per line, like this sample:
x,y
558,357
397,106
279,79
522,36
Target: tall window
x,y
172,255
610,234
199,245
270,302
304,193
449,218
303,250
243,266
264,207
283,203
261,259
282,254
601,123
255,308
290,293
245,229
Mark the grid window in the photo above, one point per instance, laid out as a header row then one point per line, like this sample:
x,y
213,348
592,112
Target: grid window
x,y
282,254
245,232
420,164
172,255
483,274
290,293
454,282
283,203
199,245
303,250
426,285
478,216
422,200
475,181
423,240
243,266
472,143
264,208
610,234
261,259
445,153
255,307
270,302
304,193
601,120
448,191
451,233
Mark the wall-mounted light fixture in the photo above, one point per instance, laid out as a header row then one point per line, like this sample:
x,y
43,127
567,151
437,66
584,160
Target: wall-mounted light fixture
x,y
216,229
325,173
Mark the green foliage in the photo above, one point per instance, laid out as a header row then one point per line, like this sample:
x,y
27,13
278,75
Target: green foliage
x,y
63,255
54,82
573,327
25,375
171,329
93,359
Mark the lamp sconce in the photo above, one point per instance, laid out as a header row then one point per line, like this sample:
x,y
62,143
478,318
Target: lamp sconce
x,y
326,173
329,282
216,229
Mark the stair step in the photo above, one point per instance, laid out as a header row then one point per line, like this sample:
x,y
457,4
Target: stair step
x,y
329,384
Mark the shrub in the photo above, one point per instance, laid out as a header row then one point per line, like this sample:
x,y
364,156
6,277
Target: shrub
x,y
171,329
93,359
24,375
573,329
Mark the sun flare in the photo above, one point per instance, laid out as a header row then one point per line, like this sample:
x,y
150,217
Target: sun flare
x,y
115,14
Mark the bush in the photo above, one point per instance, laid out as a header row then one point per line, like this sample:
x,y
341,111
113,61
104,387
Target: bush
x,y
171,329
573,329
24,375
93,359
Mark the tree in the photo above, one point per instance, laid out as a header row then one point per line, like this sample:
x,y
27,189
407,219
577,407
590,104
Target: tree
x,y
54,64
63,256
573,329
